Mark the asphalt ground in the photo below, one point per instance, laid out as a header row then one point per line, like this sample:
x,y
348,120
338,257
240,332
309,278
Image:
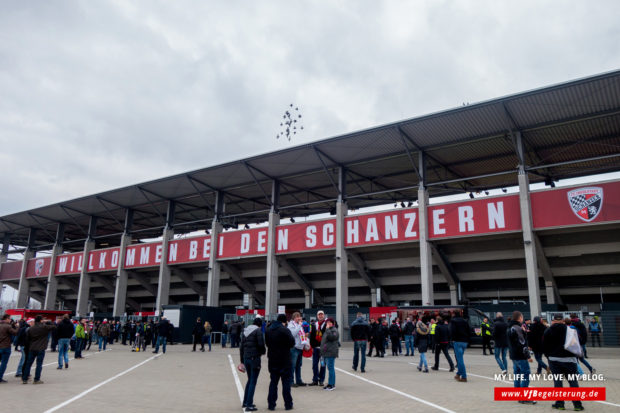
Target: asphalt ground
x,y
184,381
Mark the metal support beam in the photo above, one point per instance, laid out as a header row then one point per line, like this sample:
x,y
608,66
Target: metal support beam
x,y
303,282
188,279
426,258
213,280
447,270
51,291
342,262
551,287
163,286
75,286
144,282
122,275
360,266
24,284
244,285
108,284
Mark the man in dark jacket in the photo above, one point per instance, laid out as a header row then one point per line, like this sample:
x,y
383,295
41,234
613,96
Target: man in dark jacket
x,y
395,337
442,341
163,330
251,349
234,331
582,332
360,333
561,361
279,342
64,333
408,329
374,326
224,333
380,336
317,329
501,342
459,331
197,333
8,329
535,338
37,336
519,352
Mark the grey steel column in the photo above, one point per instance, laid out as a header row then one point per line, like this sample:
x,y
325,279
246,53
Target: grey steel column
x,y
4,256
529,241
271,287
342,260
23,290
307,299
373,297
163,286
122,275
426,254
51,291
213,280
84,289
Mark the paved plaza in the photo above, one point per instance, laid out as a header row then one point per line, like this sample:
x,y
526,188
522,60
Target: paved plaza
x,y
183,381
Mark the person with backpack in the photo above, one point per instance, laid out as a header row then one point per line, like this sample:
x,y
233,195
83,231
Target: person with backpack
x,y
251,348
562,362
519,353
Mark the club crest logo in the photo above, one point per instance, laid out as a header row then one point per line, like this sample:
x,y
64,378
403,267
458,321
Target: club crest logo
x,y
38,267
586,203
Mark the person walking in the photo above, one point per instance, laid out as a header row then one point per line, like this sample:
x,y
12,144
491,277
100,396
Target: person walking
x,y
360,334
519,353
563,363
486,332
251,349
459,331
500,328
595,331
422,329
279,341
224,333
317,329
8,329
582,333
534,339
103,332
163,330
38,336
64,332
207,335
442,340
408,329
329,350
297,331
197,333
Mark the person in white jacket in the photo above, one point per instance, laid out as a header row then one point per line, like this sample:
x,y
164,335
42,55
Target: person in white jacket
x,y
296,352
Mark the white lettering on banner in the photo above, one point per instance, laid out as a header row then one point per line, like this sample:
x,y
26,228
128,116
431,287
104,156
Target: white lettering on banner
x,y
80,257
283,239
131,256
262,236
193,250
144,255
221,245
206,248
245,243
72,262
328,234
409,232
391,227
496,215
114,259
158,253
353,231
466,218
372,234
62,264
437,221
90,262
172,254
102,260
311,236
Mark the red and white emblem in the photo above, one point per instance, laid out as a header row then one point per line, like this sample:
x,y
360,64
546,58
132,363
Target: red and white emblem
x,y
586,203
38,267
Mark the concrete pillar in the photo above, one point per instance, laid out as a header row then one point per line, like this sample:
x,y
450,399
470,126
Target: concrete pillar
x,y
529,240
251,302
426,255
308,299
4,256
122,277
213,280
550,292
454,298
373,297
163,286
83,307
51,292
23,291
342,270
271,289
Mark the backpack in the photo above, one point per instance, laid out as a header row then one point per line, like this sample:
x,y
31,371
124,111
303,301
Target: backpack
x,y
571,343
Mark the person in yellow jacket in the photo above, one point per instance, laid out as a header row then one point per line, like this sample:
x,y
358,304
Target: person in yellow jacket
x,y
80,338
432,335
485,330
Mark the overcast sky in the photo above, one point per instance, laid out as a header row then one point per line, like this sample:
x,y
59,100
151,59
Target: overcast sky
x,y
97,95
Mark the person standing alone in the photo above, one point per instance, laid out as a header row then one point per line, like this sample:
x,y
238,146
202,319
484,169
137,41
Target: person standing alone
x,y
360,334
64,333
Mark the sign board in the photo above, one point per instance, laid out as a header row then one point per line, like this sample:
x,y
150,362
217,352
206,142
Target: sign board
x,y
281,309
173,315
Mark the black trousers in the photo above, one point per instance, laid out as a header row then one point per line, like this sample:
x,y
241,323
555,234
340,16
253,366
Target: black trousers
x,y
371,345
198,340
442,348
284,375
486,343
558,367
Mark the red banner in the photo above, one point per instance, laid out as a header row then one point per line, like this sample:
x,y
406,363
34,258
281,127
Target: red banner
x,y
579,205
10,270
186,250
143,255
103,260
38,267
306,236
482,216
68,263
382,228
243,243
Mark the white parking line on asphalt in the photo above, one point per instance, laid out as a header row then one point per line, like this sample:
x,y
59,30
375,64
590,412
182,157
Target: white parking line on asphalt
x,y
56,362
237,381
510,382
443,409
95,387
